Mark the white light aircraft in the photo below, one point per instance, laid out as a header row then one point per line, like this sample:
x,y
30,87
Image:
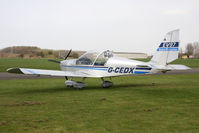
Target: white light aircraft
x,y
101,64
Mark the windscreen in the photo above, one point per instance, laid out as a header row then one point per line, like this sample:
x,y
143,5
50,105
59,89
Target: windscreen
x,y
87,58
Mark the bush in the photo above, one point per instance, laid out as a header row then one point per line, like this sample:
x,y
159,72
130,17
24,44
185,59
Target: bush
x,y
75,55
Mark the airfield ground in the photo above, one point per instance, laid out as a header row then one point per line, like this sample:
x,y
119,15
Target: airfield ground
x,y
152,103
158,104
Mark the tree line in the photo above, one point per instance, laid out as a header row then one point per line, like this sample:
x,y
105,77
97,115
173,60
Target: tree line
x,y
34,52
191,50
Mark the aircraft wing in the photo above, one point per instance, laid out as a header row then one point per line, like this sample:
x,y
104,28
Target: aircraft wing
x,y
46,72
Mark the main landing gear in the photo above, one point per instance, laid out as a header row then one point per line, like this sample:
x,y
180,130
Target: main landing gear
x,y
75,84
81,85
106,84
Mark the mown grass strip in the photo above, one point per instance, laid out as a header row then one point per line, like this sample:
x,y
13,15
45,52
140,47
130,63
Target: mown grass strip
x,y
154,103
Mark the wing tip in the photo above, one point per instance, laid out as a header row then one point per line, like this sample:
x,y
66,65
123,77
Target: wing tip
x,y
14,70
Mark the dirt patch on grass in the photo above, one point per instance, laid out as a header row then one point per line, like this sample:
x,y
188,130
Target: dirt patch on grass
x,y
102,99
3,123
25,103
145,110
42,120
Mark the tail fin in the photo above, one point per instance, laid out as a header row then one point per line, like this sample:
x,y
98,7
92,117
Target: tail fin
x,y
168,49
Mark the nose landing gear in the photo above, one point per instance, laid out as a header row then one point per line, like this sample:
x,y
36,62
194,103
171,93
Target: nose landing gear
x,y
81,85
106,84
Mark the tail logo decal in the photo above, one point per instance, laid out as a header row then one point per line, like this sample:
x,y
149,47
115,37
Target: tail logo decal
x,y
168,46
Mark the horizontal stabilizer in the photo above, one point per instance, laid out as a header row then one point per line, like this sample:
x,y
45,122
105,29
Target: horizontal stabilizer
x,y
177,67
170,67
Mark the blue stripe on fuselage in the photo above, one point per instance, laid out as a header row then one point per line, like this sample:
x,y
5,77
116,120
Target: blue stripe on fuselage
x,y
142,68
140,72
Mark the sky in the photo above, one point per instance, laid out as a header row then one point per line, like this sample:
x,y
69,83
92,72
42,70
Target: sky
x,y
118,25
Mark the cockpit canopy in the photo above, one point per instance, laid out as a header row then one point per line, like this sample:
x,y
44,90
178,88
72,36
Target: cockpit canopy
x,y
94,58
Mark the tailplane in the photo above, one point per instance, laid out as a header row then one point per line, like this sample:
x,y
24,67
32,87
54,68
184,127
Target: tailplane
x,y
168,49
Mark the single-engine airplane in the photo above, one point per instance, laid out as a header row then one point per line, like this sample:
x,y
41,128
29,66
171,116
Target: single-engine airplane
x,y
101,64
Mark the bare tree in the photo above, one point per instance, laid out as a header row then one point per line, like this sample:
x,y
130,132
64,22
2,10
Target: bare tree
x,y
189,49
196,49
180,54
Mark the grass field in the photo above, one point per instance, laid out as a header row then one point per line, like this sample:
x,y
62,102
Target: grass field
x,y
45,64
146,104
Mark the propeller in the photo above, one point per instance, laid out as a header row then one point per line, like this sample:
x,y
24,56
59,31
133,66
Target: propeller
x,y
68,54
66,58
55,61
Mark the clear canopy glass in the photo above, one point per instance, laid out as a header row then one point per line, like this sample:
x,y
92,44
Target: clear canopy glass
x,y
94,57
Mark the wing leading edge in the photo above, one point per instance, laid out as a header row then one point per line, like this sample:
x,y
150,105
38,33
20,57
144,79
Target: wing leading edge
x,y
45,72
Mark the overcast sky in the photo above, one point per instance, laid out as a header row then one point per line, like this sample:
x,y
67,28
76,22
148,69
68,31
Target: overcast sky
x,y
118,25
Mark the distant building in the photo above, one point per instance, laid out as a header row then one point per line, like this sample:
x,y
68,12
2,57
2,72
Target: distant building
x,y
131,55
186,57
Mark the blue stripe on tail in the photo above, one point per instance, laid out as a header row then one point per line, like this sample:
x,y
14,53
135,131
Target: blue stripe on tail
x,y
167,49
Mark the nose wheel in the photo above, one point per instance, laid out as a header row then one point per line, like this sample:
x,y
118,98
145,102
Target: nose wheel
x,y
106,84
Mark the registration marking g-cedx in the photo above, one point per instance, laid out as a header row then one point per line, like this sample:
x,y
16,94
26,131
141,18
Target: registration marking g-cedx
x,y
120,69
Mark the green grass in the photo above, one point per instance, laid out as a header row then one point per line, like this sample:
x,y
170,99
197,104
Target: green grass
x,y
193,63
6,63
147,104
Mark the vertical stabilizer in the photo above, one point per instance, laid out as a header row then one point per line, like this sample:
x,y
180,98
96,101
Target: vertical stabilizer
x,y
168,49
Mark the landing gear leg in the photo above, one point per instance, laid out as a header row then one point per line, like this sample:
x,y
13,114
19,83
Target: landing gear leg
x,y
106,84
